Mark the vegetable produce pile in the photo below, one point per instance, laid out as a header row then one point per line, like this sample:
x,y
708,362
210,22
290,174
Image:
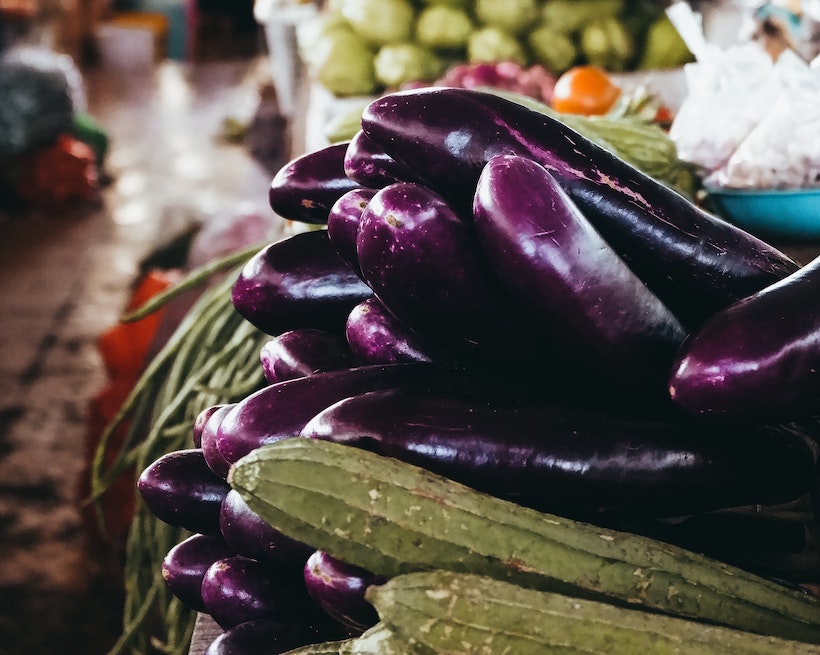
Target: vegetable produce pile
x,y
515,399
362,47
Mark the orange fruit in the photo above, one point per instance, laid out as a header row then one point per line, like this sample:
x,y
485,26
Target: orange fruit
x,y
585,89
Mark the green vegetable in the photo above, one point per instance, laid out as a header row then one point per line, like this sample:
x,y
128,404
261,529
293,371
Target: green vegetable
x,y
606,42
442,27
492,44
311,32
663,46
457,613
400,63
393,518
380,22
571,15
512,16
552,49
344,64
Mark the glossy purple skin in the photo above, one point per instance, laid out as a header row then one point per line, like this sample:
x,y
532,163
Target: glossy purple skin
x,y
695,262
237,589
298,353
339,589
180,489
249,535
271,637
570,280
199,423
305,188
367,164
425,265
207,440
298,282
184,567
574,461
281,410
375,336
343,224
757,358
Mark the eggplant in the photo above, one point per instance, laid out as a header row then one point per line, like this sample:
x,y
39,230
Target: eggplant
x,y
367,164
280,410
297,353
250,536
199,424
180,489
185,565
339,589
375,336
569,279
760,357
425,265
237,589
298,282
343,224
570,460
272,637
695,262
305,188
207,441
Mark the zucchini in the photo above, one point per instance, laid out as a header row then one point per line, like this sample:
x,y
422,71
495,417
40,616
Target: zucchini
x,y
392,518
458,613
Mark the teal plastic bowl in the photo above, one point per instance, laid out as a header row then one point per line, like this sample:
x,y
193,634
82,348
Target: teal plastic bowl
x,y
792,214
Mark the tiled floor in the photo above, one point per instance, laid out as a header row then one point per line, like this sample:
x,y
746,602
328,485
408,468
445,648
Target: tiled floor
x,y
63,279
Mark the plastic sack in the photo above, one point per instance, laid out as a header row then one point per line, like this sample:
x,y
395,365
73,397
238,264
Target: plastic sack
x,y
40,90
783,149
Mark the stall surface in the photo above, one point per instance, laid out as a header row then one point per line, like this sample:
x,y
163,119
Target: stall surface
x,y
64,279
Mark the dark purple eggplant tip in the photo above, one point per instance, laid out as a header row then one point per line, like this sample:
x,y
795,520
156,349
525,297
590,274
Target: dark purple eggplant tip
x,y
339,589
299,353
272,637
180,489
199,423
185,565
207,439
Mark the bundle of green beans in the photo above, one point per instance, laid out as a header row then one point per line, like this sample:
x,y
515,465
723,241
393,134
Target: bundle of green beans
x,y
211,358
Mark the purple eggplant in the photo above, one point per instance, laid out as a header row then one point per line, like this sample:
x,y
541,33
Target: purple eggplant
x,y
297,353
199,424
580,292
272,637
305,188
759,357
281,410
339,589
249,535
298,282
207,441
375,336
180,489
184,567
343,224
425,265
695,262
236,589
367,164
574,461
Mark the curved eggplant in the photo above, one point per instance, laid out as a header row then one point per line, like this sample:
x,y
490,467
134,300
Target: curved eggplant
x,y
272,637
281,410
375,336
305,188
185,565
425,265
343,224
571,282
572,461
237,589
207,440
297,353
368,164
695,262
339,589
181,489
759,357
250,536
199,424
298,282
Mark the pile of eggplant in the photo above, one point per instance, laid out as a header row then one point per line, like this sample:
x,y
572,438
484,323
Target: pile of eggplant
x,y
491,296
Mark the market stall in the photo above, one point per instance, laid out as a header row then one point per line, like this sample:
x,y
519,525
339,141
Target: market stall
x,y
523,378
